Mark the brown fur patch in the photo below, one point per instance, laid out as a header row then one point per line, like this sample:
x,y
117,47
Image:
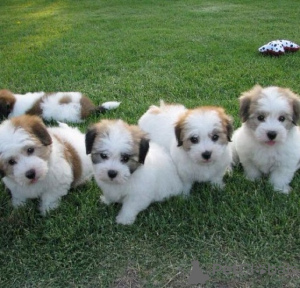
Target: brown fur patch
x,y
87,107
65,100
294,101
36,108
249,102
34,126
73,159
7,102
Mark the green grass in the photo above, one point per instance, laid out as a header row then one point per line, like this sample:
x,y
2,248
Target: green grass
x,y
138,51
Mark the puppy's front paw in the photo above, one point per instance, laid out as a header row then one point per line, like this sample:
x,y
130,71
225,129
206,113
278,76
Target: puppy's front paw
x,y
125,220
16,202
285,189
104,200
219,185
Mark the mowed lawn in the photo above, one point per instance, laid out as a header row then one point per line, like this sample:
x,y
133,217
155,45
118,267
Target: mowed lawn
x,y
138,52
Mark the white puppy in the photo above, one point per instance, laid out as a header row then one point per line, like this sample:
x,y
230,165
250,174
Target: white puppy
x,y
60,106
268,142
37,162
128,169
197,140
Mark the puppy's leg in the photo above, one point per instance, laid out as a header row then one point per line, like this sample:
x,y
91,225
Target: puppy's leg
x,y
186,188
130,209
50,201
218,182
105,200
18,200
280,179
251,171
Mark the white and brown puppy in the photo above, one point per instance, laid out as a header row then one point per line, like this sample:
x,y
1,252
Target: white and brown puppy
x,y
268,142
60,106
41,162
129,169
197,140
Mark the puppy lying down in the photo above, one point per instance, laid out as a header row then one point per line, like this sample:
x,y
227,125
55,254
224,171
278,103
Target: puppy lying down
x,y
61,106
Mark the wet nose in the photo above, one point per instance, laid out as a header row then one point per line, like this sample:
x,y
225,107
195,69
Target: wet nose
x,y
112,174
30,174
271,135
206,155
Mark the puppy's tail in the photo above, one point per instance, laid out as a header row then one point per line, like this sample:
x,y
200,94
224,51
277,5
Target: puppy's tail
x,y
110,105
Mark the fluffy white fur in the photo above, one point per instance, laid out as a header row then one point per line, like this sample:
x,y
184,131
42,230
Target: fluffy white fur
x,y
268,142
53,173
133,182
175,127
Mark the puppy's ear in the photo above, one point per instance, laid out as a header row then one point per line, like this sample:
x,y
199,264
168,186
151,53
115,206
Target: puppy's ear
x,y
39,129
229,127
143,149
89,139
178,131
296,111
245,102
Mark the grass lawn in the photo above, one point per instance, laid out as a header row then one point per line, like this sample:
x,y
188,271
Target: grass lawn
x,y
195,52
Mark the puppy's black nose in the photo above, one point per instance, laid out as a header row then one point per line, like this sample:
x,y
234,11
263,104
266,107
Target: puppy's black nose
x,y
30,174
112,174
271,135
206,155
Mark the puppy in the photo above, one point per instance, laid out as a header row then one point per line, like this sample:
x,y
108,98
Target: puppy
x,y
129,169
197,140
268,142
41,162
61,106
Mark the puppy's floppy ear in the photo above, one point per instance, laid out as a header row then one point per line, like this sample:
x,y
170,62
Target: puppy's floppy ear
x,y
89,139
39,129
245,102
296,111
178,131
143,149
229,127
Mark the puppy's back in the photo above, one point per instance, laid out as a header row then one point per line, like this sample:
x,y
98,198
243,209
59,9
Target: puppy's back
x,y
159,122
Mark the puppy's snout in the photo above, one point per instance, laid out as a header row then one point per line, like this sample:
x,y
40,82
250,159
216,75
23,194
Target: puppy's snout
x,y
271,135
206,155
112,174
30,174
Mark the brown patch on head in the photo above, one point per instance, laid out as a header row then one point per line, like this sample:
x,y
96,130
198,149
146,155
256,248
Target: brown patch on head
x,y
34,126
7,102
65,100
249,102
73,159
226,120
87,107
294,101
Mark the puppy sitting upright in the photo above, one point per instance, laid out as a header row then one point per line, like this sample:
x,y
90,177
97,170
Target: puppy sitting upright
x,y
59,106
268,142
197,140
37,162
129,169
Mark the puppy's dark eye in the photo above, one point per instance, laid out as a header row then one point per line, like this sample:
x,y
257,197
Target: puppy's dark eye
x,y
125,158
30,150
215,137
261,118
103,156
194,139
12,162
281,118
